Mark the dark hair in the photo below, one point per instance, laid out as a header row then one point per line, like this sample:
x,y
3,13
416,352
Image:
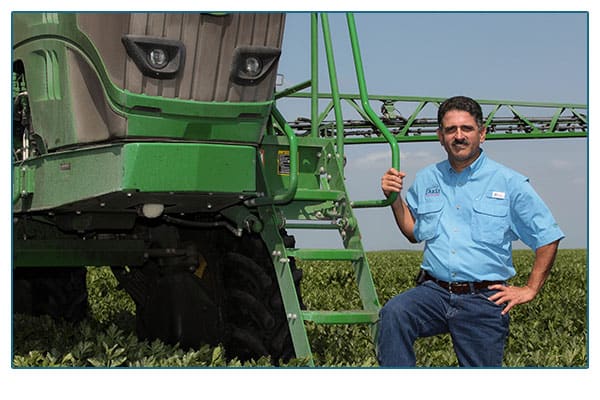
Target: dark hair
x,y
461,103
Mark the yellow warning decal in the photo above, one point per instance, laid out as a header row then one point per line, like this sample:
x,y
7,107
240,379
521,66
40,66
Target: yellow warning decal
x,y
283,162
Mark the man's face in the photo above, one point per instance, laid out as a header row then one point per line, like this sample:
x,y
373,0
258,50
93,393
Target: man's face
x,y
461,138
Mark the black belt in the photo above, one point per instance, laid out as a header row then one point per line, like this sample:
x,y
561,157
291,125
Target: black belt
x,y
461,287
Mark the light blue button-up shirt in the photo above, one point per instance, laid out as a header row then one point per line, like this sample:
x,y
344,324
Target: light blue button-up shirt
x,y
469,220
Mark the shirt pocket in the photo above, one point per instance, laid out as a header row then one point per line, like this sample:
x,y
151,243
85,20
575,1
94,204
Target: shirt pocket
x,y
490,220
428,220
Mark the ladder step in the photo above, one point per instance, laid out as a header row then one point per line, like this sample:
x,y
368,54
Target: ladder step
x,y
319,194
311,225
326,254
341,317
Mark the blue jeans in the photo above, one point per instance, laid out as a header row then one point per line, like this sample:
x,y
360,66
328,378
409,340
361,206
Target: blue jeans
x,y
476,325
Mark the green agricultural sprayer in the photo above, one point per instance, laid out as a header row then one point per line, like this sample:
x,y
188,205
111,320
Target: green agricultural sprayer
x,y
152,143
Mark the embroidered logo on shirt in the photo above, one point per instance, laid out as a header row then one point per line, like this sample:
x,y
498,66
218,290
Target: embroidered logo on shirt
x,y
433,191
498,195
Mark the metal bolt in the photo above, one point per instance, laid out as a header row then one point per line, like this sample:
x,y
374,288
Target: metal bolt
x,y
328,177
322,170
284,260
292,316
329,156
129,194
319,154
209,206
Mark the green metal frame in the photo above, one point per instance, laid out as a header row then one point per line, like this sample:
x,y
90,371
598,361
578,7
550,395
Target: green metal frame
x,y
77,253
573,116
57,179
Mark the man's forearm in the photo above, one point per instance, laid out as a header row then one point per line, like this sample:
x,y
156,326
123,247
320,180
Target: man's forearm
x,y
404,219
515,295
544,259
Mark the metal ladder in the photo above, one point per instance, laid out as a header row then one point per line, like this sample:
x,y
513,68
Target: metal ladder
x,y
326,207
311,194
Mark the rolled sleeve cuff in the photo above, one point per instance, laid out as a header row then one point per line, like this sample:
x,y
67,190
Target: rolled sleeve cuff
x,y
547,237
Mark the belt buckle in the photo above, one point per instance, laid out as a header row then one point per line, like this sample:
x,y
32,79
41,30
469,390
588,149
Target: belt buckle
x,y
450,284
461,285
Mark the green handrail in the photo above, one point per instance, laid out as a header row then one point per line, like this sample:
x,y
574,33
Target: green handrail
x,y
335,92
314,73
287,195
293,89
360,76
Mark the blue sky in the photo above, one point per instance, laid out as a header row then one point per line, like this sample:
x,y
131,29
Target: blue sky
x,y
504,56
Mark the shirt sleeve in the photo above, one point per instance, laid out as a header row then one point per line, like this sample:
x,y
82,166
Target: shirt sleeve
x,y
532,220
412,198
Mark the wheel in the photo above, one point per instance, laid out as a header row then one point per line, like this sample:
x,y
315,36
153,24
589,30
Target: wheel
x,y
58,292
254,310
224,292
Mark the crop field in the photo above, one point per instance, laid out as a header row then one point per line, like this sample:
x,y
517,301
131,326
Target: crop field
x,y
551,331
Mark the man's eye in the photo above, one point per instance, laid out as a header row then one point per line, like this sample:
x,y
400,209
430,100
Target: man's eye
x,y
450,129
467,128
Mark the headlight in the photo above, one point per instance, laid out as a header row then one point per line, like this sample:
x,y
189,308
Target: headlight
x,y
252,63
155,57
158,58
252,66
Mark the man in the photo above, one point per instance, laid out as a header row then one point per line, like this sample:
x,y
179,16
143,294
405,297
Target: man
x,y
468,209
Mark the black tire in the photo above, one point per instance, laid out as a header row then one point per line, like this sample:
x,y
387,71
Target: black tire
x,y
254,310
236,302
58,292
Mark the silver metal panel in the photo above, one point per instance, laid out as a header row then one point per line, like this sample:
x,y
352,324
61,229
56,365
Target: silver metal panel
x,y
209,40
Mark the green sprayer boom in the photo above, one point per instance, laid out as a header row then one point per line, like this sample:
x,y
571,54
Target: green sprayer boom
x,y
504,119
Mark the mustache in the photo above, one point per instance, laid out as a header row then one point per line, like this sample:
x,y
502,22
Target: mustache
x,y
460,141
